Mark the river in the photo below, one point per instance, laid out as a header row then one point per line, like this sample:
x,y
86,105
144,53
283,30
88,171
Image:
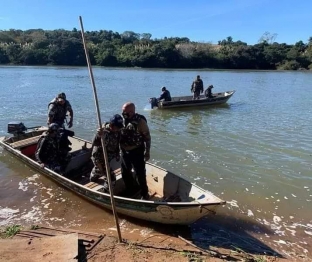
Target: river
x,y
254,152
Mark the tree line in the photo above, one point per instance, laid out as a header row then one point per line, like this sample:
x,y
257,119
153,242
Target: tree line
x,y
130,49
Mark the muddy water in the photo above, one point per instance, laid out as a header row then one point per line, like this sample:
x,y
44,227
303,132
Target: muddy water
x,y
255,153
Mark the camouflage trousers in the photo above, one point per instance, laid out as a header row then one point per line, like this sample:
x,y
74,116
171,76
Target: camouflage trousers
x,y
196,94
99,170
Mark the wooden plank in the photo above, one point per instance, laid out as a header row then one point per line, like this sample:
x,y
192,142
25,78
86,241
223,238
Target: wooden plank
x,y
98,187
90,184
117,171
26,142
94,185
55,248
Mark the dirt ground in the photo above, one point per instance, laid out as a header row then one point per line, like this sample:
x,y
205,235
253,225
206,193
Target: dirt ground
x,y
111,250
45,244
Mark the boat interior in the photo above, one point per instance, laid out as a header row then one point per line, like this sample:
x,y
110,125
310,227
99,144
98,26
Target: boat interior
x,y
163,185
187,98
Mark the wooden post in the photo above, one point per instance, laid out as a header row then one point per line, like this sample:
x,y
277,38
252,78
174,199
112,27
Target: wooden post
x,y
100,125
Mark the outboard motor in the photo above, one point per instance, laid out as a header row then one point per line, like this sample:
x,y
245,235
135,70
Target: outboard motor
x,y
154,102
16,128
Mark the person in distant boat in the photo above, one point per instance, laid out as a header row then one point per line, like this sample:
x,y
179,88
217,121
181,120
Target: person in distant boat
x,y
197,87
57,110
208,92
46,152
135,146
165,95
111,134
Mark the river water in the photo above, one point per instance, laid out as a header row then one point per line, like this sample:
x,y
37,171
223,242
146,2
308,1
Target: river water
x,y
255,152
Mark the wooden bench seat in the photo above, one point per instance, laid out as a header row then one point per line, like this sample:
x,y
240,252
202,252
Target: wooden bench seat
x,y
25,142
99,185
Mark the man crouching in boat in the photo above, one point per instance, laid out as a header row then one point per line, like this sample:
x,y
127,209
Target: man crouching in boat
x,y
111,133
165,94
47,153
208,92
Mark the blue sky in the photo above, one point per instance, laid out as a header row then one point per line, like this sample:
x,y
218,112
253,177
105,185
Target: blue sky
x,y
199,20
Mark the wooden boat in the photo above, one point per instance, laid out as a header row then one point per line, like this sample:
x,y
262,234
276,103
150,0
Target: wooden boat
x,y
187,101
173,199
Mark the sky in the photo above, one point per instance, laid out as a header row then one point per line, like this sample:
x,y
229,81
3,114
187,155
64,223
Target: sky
x,y
199,20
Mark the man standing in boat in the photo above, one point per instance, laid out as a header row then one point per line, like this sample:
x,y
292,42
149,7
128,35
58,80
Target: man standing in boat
x,y
47,153
135,146
58,109
197,87
111,134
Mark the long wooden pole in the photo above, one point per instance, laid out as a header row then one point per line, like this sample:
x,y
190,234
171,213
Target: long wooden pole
x,y
100,125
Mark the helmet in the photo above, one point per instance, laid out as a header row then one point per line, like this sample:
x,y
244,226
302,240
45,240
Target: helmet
x,y
163,88
53,127
117,120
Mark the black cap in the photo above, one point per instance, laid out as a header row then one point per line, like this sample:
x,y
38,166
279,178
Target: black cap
x,y
163,88
117,121
61,96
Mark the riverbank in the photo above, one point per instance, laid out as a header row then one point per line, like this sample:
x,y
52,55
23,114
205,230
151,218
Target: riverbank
x,y
44,243
206,69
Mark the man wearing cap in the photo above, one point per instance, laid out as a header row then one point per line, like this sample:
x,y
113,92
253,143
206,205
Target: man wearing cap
x,y
47,149
135,146
57,110
165,94
208,92
197,87
111,134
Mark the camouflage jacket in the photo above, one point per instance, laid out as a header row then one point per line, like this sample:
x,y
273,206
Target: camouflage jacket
x,y
47,150
197,86
111,140
58,112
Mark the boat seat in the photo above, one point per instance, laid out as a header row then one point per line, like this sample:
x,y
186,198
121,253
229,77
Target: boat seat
x,y
91,185
25,142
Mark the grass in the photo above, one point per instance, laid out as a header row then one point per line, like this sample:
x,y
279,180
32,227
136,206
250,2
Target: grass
x,y
11,231
192,257
251,258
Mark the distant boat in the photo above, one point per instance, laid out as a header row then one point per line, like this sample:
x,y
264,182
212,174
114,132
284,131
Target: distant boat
x,y
187,101
173,199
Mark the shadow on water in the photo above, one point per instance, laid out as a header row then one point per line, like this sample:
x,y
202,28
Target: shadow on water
x,y
219,231
165,115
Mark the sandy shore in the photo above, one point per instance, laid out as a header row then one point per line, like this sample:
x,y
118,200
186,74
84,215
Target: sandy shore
x,y
47,244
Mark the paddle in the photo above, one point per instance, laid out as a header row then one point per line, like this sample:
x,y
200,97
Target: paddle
x,y
100,125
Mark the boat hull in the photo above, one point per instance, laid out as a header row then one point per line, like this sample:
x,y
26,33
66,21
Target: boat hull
x,y
182,213
187,101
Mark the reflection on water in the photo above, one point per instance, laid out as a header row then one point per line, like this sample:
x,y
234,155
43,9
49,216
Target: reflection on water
x,y
254,151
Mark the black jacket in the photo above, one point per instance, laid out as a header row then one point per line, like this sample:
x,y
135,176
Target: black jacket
x,y
165,95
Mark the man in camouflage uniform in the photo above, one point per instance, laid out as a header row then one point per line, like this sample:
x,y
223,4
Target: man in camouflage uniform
x,y
135,146
47,149
111,135
197,87
58,109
